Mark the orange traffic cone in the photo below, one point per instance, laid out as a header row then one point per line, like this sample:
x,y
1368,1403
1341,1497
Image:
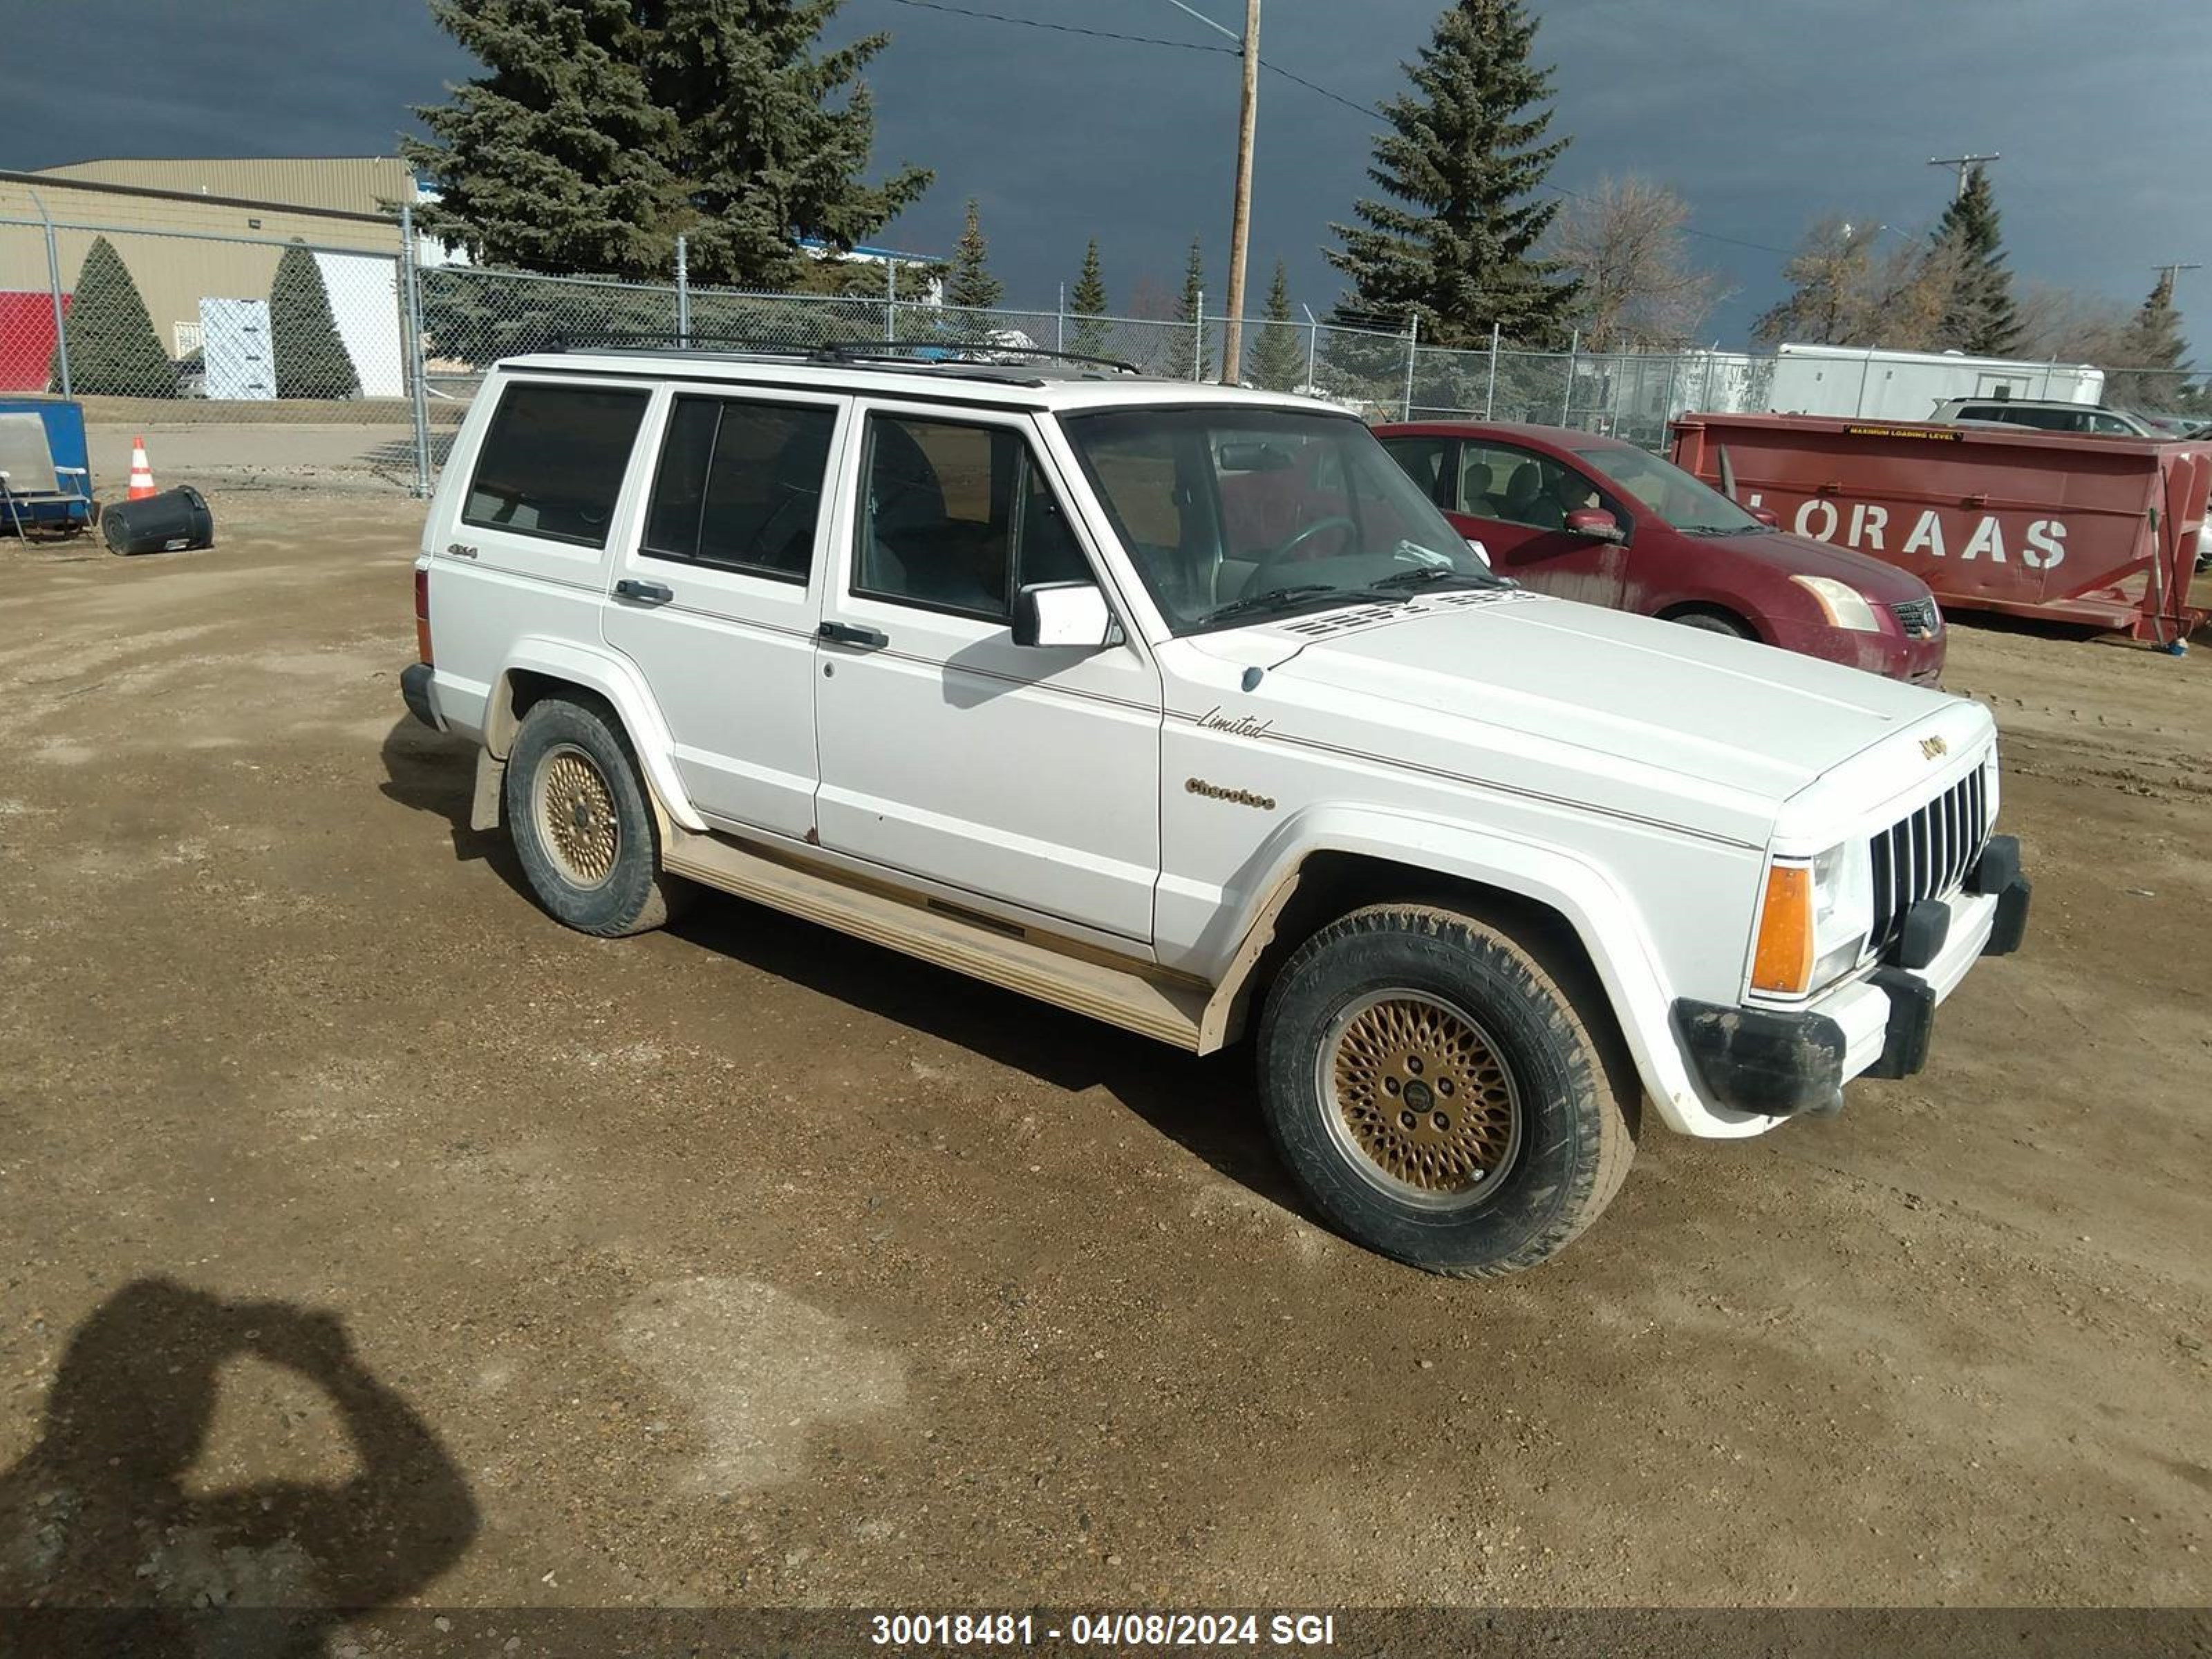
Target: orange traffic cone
x,y
142,472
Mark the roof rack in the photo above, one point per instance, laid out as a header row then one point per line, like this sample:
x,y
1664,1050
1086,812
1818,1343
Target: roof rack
x,y
950,354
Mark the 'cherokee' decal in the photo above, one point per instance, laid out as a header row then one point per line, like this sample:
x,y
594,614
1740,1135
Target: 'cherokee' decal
x,y
1234,797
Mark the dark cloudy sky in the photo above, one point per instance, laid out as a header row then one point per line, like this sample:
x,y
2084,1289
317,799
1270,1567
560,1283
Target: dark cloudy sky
x,y
1763,114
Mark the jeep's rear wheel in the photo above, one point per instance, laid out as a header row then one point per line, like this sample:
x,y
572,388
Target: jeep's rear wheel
x,y
582,826
1438,1095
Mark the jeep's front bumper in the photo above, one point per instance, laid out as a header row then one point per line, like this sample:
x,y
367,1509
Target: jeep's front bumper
x,y
1779,1063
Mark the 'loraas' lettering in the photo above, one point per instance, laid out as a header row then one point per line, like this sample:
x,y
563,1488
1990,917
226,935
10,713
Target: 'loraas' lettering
x,y
2043,547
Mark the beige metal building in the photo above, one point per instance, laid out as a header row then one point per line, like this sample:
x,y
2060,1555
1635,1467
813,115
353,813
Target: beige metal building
x,y
166,217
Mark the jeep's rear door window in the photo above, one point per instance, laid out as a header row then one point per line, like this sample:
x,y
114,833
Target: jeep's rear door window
x,y
552,463
740,485
950,510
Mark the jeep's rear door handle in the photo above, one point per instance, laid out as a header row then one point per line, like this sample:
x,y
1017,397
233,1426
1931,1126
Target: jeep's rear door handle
x,y
868,639
644,593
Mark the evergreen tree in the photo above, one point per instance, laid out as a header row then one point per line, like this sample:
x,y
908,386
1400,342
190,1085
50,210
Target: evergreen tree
x,y
2154,358
113,350
1087,300
1279,359
311,359
1188,357
556,160
604,129
757,153
1979,316
971,286
1455,244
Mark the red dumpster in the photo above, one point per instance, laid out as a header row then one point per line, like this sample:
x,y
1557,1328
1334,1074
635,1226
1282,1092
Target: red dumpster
x,y
2099,530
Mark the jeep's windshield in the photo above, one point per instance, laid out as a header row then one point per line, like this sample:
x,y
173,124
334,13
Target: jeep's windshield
x,y
1689,505
1231,515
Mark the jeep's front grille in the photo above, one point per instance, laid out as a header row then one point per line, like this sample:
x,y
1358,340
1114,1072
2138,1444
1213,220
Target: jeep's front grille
x,y
1927,854
1918,616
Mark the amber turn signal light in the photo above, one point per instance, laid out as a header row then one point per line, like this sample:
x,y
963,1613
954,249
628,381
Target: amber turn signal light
x,y
1784,960
423,615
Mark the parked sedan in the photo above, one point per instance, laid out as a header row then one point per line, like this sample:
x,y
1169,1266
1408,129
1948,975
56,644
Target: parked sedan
x,y
1595,519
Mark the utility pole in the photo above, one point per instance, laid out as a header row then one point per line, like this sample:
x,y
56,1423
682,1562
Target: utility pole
x,y
2171,272
1965,164
1240,210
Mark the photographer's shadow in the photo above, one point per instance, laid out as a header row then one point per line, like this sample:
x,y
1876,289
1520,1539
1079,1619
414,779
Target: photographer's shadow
x,y
97,1515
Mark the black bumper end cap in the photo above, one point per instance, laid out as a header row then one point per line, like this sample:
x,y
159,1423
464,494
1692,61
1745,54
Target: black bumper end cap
x,y
2010,926
1911,1026
1755,1060
415,689
1998,867
1921,938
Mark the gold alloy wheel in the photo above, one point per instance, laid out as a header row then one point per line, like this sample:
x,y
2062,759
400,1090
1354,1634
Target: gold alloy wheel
x,y
576,822
1416,1089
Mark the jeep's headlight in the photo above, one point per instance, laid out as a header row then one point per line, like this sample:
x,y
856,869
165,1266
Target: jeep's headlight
x,y
1814,921
1842,604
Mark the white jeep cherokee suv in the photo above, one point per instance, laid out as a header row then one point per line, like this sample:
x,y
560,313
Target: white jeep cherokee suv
x,y
1181,706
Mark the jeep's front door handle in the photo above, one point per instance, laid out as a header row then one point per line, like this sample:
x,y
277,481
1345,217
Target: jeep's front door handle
x,y
868,639
644,593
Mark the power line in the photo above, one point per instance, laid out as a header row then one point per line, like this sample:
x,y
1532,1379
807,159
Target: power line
x,y
1353,103
1066,28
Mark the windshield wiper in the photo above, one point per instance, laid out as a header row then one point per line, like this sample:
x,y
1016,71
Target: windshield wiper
x,y
1422,575
1719,529
1276,598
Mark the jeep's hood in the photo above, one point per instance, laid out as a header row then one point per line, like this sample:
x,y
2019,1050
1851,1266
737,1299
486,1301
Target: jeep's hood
x,y
1661,721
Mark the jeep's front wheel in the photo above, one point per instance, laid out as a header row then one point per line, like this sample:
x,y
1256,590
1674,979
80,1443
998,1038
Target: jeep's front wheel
x,y
582,826
1438,1095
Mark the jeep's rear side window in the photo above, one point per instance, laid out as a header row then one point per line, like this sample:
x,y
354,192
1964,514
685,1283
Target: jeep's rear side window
x,y
740,485
552,463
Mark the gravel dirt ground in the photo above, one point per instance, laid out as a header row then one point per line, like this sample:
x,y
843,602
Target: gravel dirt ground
x,y
461,1260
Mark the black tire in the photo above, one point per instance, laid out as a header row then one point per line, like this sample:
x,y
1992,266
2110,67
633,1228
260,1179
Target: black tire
x,y
1572,1137
1712,622
606,880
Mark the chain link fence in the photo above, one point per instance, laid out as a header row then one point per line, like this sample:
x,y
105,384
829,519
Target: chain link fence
x,y
351,357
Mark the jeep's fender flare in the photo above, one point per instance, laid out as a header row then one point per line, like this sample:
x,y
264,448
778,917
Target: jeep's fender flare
x,y
1603,916
614,678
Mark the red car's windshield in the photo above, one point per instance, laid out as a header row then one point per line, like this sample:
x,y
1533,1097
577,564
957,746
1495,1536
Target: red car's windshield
x,y
1693,508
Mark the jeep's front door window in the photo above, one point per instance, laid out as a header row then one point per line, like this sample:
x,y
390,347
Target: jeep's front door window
x,y
955,516
1230,515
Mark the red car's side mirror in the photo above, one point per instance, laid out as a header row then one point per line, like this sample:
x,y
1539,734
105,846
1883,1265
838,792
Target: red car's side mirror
x,y
1766,516
1595,524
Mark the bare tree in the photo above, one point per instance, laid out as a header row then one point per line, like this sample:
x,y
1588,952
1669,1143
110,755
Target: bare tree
x,y
1625,242
1846,290
2064,324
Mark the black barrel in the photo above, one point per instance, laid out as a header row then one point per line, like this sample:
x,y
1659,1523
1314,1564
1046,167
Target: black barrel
x,y
168,522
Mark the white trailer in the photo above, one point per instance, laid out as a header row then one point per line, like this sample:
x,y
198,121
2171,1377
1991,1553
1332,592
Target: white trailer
x,y
1906,385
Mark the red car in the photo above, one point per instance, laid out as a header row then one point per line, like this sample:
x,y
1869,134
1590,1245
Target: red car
x,y
1597,520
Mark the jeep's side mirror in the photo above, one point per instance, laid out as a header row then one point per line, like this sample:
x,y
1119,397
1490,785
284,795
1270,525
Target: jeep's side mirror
x,y
1595,524
1766,516
1064,614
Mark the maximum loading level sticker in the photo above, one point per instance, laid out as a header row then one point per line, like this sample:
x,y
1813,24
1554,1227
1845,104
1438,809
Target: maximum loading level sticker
x,y
1935,435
